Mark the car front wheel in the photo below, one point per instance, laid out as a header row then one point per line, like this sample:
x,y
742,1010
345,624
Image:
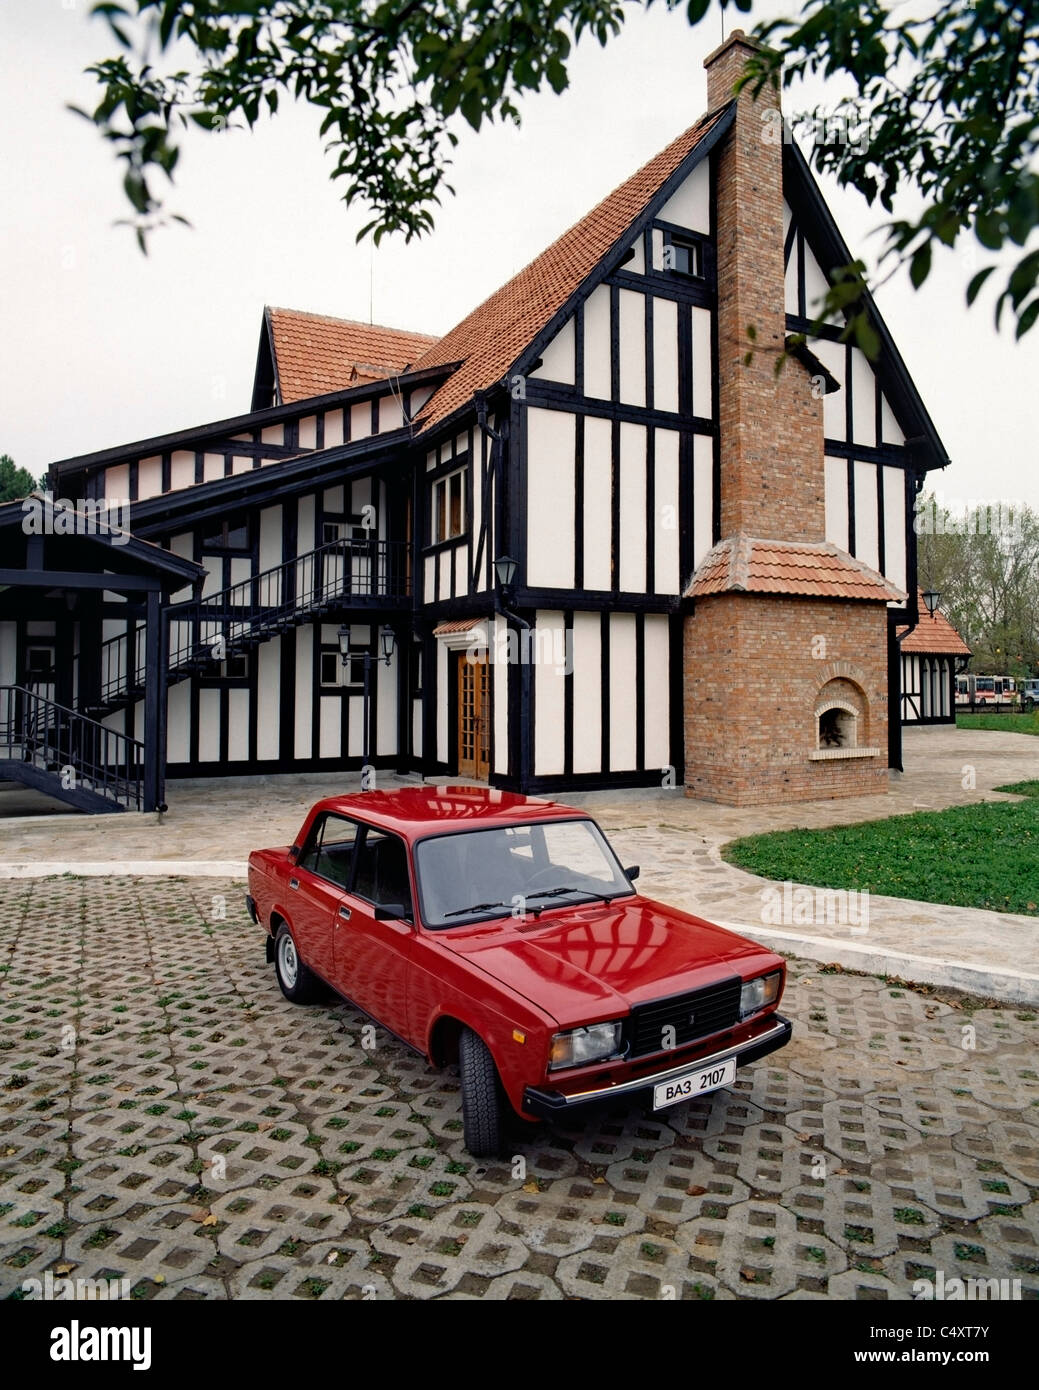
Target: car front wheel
x,y
483,1108
296,981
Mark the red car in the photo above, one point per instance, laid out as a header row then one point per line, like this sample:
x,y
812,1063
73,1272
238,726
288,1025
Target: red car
x,y
502,933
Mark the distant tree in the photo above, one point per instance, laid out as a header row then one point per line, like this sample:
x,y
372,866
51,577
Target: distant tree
x,y
984,562
14,482
946,103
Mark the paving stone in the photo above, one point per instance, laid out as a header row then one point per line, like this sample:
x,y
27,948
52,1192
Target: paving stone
x,y
758,1252
204,1138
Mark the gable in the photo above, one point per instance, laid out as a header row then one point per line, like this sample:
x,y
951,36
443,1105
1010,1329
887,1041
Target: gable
x,y
525,315
878,404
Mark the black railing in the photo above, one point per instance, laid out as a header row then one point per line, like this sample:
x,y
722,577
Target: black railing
x,y
36,730
343,573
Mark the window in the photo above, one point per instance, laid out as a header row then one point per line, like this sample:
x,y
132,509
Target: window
x,y
449,507
335,676
683,257
351,530
235,668
329,851
226,535
39,663
382,871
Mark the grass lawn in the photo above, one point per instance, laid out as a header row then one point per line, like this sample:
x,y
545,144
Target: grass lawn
x,y
1005,723
985,855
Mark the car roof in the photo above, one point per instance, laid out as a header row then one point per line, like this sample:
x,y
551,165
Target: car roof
x,y
418,811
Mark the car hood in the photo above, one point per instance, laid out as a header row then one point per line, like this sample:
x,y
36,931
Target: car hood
x,y
594,962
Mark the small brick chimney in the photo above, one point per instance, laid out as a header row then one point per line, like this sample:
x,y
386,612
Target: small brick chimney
x,y
772,471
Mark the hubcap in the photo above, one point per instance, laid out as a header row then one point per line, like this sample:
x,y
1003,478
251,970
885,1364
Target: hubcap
x,y
288,962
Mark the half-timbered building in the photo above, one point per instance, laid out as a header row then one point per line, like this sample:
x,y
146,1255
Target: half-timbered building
x,y
589,538
931,652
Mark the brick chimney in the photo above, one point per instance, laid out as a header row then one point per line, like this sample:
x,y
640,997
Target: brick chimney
x,y
772,471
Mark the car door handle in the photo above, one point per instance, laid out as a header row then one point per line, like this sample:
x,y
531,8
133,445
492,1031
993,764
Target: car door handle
x,y
344,912
293,882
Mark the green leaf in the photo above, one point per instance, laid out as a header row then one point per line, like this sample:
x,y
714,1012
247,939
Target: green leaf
x,y
866,335
1027,319
696,9
920,265
974,288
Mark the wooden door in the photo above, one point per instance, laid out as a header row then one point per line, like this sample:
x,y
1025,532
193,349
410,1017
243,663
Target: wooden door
x,y
474,714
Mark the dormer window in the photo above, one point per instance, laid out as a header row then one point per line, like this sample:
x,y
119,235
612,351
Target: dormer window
x,y
683,257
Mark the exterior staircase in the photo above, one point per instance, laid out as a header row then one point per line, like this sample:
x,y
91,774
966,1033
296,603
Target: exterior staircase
x,y
73,756
340,575
56,750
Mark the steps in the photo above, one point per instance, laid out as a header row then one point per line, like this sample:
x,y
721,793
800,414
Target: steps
x,y
68,755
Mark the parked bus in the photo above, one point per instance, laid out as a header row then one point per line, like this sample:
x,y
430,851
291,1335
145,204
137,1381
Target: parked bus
x,y
986,690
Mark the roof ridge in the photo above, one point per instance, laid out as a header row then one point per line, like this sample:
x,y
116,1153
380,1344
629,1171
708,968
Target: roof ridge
x,y
350,323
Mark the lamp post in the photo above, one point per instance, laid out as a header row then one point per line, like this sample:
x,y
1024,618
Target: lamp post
x,y
932,600
388,645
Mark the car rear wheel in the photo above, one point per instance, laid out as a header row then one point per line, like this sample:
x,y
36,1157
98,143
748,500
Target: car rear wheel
x,y
296,981
483,1105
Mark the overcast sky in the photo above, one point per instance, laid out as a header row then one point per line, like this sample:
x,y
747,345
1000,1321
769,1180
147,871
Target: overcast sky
x,y
100,346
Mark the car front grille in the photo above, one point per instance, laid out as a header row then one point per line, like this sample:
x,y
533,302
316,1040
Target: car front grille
x,y
692,1016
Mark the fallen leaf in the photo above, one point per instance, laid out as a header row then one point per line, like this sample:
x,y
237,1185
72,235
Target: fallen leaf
x,y
332,1257
840,1171
695,1190
749,1274
803,1138
200,1216
265,1124
599,1180
210,1220
64,1269
531,1186
8,1152
160,1279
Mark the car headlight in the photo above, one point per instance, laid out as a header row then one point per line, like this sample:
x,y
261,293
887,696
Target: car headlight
x,y
580,1046
755,994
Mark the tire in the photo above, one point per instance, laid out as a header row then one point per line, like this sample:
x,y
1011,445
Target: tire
x,y
297,983
483,1109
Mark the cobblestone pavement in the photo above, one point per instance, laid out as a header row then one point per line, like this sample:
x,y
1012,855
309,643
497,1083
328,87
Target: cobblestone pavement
x,y
167,1118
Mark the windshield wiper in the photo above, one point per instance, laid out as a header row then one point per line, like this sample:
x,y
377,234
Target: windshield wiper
x,y
554,892
476,907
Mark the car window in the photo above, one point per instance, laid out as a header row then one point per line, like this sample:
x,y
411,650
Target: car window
x,y
382,870
330,847
473,875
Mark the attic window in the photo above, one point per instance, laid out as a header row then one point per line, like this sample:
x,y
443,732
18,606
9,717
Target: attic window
x,y
683,258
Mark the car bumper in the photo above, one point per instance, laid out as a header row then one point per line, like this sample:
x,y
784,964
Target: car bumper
x,y
546,1104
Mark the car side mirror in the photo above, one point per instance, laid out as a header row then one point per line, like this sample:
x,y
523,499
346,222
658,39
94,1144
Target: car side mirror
x,y
632,874
389,912
294,854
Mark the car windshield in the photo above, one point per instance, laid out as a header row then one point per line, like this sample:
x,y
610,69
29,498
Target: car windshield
x,y
512,870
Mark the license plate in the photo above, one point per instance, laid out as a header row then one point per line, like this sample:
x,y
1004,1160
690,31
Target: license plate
x,y
694,1083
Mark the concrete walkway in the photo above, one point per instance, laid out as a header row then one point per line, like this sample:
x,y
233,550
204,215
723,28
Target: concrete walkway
x,y
212,826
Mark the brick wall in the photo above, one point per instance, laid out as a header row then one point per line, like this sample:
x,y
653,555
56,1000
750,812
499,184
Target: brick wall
x,y
754,667
772,473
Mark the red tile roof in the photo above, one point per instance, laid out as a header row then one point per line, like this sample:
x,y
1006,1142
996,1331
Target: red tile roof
x,y
489,340
458,625
745,564
315,354
933,635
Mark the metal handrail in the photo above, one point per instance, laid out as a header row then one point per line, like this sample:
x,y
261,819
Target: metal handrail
x,y
218,625
39,731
